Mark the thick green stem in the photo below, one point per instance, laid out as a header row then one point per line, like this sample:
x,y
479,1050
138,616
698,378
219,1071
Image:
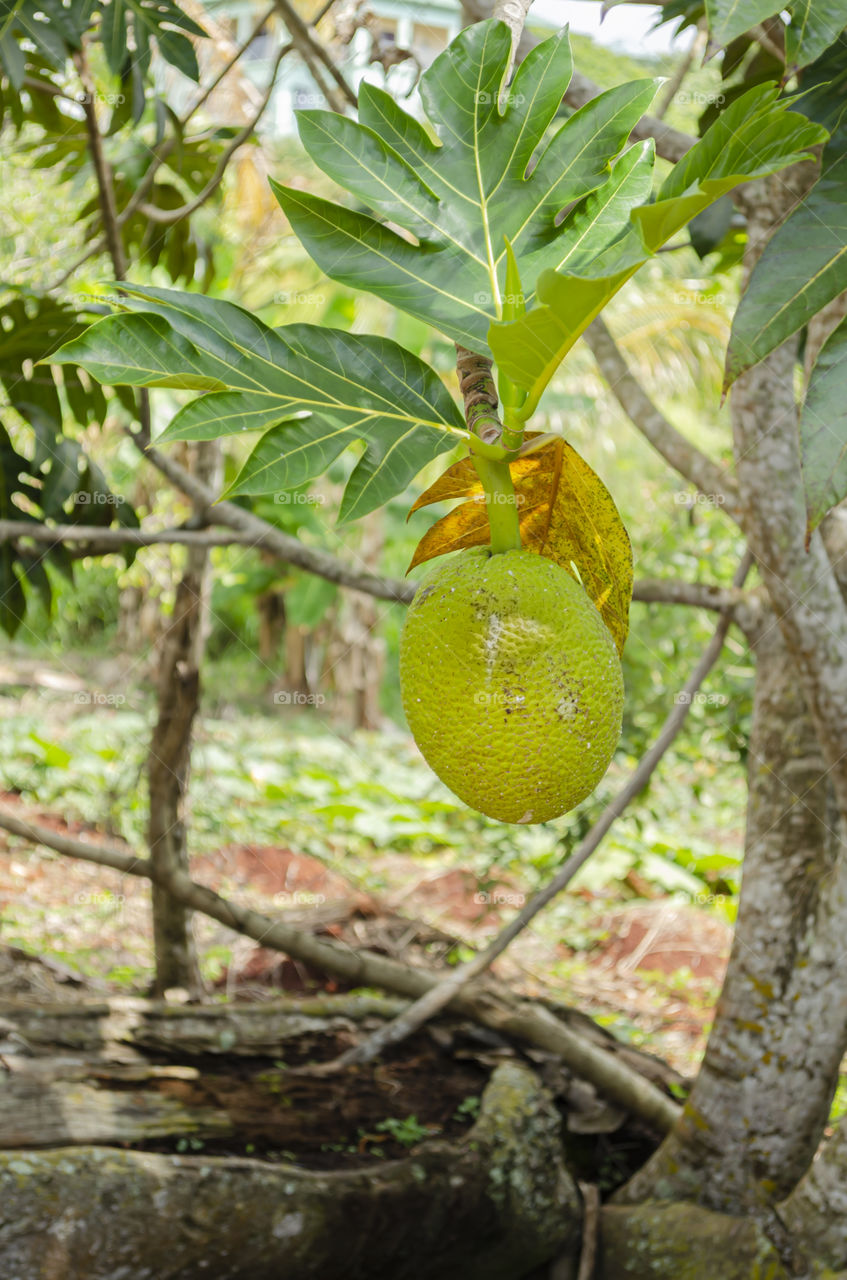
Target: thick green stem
x,y
513,427
488,438
501,503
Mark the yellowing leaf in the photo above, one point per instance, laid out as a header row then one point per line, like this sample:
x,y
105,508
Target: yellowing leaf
x,y
565,513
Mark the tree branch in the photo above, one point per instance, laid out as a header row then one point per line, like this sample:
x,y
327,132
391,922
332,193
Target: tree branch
x,y
672,88
105,186
167,147
257,532
312,51
798,575
494,1008
513,13
439,996
671,144
169,216
714,481
97,541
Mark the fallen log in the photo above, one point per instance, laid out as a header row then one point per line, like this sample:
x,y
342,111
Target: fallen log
x,y
491,1005
492,1205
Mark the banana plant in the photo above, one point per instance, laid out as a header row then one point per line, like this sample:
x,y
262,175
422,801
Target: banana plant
x,y
503,225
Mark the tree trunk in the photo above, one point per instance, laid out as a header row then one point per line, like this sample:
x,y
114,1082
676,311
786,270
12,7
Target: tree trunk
x,y
761,1101
355,658
170,752
762,1097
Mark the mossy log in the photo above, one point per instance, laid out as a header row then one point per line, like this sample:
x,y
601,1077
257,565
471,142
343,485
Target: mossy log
x,y
494,1205
683,1241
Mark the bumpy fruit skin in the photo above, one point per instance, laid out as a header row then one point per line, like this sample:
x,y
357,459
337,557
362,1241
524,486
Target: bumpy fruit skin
x,y
511,684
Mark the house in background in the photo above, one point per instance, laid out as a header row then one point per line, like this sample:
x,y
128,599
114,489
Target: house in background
x,y
386,41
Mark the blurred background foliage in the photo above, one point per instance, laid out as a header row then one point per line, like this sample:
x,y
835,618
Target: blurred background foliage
x,y
341,785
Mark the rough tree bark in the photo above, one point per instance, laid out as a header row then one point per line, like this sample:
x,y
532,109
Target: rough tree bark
x,y
762,1099
487,1207
169,757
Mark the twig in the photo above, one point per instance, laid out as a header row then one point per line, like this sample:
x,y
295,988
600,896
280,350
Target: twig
x,y
311,50
105,187
496,1008
227,67
169,216
672,88
671,144
700,595
161,153
763,38
681,454
167,147
98,541
438,997
590,1230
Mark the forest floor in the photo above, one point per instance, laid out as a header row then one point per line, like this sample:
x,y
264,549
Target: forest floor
x,y
349,834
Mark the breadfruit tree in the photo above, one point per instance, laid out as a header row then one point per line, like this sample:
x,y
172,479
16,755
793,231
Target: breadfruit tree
x,y
508,229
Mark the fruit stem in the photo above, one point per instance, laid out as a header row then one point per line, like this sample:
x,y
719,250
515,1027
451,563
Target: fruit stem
x,y
489,436
501,504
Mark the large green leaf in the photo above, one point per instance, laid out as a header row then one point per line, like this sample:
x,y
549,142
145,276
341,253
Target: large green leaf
x,y
823,429
755,136
803,267
731,18
484,174
318,390
814,26
529,349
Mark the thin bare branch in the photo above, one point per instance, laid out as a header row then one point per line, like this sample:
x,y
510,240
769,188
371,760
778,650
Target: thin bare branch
x,y
590,1193
92,540
671,144
162,152
103,173
493,1007
145,183
257,532
438,997
169,216
691,463
673,86
313,53
699,595
763,37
